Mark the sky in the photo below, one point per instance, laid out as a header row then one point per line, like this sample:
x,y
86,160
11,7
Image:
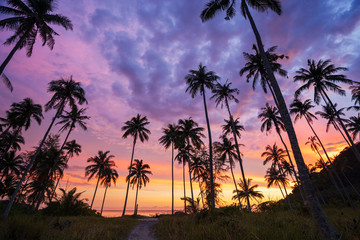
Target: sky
x,y
131,57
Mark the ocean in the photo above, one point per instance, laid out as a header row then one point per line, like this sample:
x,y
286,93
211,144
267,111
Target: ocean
x,y
147,212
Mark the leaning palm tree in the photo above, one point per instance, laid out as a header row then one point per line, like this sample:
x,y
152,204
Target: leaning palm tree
x,y
324,76
110,175
136,128
167,140
66,92
30,19
244,192
353,126
98,169
211,9
138,176
198,81
223,94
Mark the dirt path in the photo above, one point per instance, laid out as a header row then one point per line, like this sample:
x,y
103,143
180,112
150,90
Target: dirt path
x,y
143,231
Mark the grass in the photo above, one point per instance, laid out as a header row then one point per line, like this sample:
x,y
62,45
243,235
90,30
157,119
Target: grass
x,y
228,223
58,228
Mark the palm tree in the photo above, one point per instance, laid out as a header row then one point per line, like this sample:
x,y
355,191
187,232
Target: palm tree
x,y
65,92
323,76
169,139
255,68
98,168
227,128
215,6
182,157
11,164
251,192
189,133
136,128
198,81
10,140
110,175
222,94
198,170
227,151
138,176
355,91
274,176
29,20
353,126
69,119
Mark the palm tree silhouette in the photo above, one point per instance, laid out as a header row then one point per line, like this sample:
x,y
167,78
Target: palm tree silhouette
x,y
215,6
198,81
251,192
110,175
28,21
167,140
101,162
10,141
65,92
222,94
273,176
138,176
353,126
182,157
355,92
198,170
323,76
136,128
11,164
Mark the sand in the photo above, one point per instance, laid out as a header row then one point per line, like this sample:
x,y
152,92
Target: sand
x,y
143,231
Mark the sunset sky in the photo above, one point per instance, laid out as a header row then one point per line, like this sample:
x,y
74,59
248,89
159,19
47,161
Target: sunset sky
x,y
132,56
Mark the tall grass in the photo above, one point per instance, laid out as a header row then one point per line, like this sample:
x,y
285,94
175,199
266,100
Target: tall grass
x,y
228,223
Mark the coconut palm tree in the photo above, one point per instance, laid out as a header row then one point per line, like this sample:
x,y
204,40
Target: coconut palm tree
x,y
138,176
198,170
167,140
323,76
252,193
355,91
11,164
69,121
255,68
101,162
136,128
273,176
222,95
227,128
110,175
211,9
10,140
189,133
198,81
353,126
30,19
66,92
183,157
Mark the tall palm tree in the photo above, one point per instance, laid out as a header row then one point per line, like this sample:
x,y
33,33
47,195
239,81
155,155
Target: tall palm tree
x,y
69,121
227,128
138,176
66,92
110,175
198,81
353,126
227,151
189,133
11,164
252,193
273,176
167,140
222,95
324,76
211,9
98,168
182,157
136,128
30,19
255,68
198,170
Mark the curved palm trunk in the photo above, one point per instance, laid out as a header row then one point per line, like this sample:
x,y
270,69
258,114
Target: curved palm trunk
x,y
184,186
191,187
212,192
281,190
172,178
236,189
127,188
12,199
102,205
292,166
322,221
136,206
12,52
52,170
240,159
92,202
57,182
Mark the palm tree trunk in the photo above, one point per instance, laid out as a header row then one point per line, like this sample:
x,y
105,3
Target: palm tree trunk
x,y
287,199
127,188
352,145
57,182
292,166
102,205
11,202
192,193
12,52
236,189
52,170
92,202
172,178
322,221
184,186
212,190
137,190
201,194
281,191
